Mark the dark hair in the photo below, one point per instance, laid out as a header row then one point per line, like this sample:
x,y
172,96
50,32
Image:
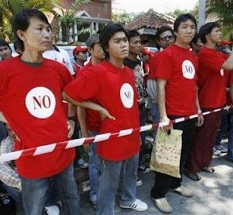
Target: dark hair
x,y
133,33
206,29
184,18
107,32
161,30
21,21
4,43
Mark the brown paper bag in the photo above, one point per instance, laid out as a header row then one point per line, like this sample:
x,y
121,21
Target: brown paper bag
x,y
165,156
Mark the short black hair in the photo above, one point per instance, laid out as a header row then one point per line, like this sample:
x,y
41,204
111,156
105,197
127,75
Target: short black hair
x,y
133,33
184,18
161,30
206,29
21,21
107,32
4,43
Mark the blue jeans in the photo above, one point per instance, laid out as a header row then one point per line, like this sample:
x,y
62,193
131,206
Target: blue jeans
x,y
113,175
155,116
15,194
93,169
52,195
3,133
34,193
230,138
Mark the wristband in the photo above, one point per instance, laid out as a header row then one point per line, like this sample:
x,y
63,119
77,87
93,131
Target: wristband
x,y
71,118
199,112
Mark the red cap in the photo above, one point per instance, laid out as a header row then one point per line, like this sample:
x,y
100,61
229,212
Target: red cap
x,y
225,42
79,49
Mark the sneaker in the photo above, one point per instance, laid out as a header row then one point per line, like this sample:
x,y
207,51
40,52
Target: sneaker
x,y
182,190
94,205
137,205
139,182
52,210
82,163
223,149
163,205
143,169
216,151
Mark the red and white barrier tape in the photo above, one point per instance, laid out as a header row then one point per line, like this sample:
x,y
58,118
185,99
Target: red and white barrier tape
x,y
78,142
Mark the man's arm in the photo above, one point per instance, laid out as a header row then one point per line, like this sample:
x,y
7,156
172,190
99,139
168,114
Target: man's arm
x,y
82,121
8,175
2,118
200,118
162,102
88,104
228,64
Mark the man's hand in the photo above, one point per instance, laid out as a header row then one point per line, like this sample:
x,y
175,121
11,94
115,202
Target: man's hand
x,y
200,120
71,127
165,120
105,114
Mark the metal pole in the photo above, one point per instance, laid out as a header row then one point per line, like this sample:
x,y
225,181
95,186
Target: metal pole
x,y
201,15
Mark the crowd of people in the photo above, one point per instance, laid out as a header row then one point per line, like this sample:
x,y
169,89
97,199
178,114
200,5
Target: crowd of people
x,y
106,93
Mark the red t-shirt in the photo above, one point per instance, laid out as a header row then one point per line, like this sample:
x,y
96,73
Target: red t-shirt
x,y
114,89
30,99
153,64
211,78
93,119
178,67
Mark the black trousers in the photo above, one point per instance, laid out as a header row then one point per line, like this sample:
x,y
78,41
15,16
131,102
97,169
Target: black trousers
x,y
165,182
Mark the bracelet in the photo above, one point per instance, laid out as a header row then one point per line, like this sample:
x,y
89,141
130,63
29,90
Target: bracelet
x,y
199,112
71,118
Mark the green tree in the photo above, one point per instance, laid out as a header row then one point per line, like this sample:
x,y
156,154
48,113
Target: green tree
x,y
68,20
123,17
9,7
176,13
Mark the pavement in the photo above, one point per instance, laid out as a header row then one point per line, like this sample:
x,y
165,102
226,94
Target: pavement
x,y
213,194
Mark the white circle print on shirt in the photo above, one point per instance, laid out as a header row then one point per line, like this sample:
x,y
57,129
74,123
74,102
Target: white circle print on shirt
x,y
188,69
127,95
40,102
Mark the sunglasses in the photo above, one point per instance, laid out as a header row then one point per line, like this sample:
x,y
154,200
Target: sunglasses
x,y
168,37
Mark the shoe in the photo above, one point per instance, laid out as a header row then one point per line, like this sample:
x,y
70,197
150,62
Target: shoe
x,y
216,151
208,169
223,149
182,190
143,169
52,210
94,205
137,205
139,182
163,205
193,176
82,163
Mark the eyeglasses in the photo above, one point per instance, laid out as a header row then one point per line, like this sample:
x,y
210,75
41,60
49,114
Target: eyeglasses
x,y
168,37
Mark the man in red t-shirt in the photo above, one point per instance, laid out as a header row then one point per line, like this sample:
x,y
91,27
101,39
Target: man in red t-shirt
x,y
212,95
112,86
31,102
164,38
90,121
177,97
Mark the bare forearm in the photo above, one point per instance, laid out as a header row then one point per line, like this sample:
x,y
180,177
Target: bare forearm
x,y
82,120
161,100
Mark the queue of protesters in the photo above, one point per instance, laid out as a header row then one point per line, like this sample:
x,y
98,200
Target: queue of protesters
x,y
108,94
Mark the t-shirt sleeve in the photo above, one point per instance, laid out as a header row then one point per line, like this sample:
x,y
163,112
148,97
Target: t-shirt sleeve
x,y
84,87
164,66
64,75
212,60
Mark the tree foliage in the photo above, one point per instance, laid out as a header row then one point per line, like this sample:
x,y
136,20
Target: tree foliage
x,y
123,17
224,11
67,19
177,12
10,7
